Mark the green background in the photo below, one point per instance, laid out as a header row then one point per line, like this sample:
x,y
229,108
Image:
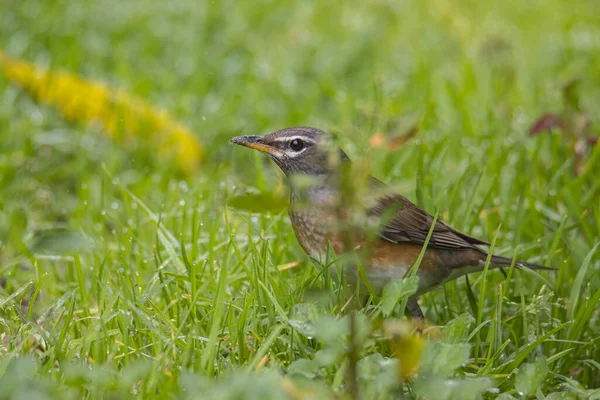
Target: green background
x,y
97,301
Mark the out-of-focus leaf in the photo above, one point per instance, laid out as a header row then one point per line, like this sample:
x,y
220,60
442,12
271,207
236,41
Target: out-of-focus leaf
x,y
304,316
303,367
451,389
136,371
259,202
457,330
530,376
333,331
74,374
505,396
441,359
363,327
300,389
20,373
562,396
396,291
59,241
236,385
328,357
377,375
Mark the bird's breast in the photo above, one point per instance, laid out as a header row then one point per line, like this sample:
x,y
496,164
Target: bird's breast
x,y
382,260
316,223
311,229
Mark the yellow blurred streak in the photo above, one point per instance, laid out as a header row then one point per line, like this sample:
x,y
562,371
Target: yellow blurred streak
x,y
406,345
121,115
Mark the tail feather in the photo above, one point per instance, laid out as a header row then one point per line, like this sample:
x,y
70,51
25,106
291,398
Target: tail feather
x,y
505,261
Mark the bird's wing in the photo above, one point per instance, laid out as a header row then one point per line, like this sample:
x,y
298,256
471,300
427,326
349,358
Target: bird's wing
x,y
404,222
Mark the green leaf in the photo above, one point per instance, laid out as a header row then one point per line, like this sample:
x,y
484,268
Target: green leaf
x,y
303,367
329,356
561,396
332,331
530,376
451,389
441,359
60,241
457,330
259,202
265,385
377,375
20,373
363,327
396,291
304,316
505,396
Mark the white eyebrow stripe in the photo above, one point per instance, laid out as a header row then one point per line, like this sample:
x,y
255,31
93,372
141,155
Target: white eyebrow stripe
x,y
296,153
290,138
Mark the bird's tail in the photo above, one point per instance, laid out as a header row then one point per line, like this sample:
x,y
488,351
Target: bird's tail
x,y
506,262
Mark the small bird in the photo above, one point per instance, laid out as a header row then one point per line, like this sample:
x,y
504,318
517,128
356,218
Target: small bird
x,y
387,229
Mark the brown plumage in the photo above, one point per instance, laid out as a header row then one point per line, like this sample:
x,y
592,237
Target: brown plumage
x,y
400,227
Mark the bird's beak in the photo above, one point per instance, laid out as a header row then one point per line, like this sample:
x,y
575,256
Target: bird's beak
x,y
255,142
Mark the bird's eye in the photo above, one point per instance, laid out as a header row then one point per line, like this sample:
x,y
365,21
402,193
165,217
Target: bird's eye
x,y
296,145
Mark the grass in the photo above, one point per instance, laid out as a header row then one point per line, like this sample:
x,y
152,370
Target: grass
x,y
121,277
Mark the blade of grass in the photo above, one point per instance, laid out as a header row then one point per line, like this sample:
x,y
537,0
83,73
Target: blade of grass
x,y
262,351
217,317
482,293
578,282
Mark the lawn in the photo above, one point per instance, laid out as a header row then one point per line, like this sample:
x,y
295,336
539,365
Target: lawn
x,y
122,276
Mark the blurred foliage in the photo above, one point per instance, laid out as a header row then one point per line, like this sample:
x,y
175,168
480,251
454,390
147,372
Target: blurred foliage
x,y
119,114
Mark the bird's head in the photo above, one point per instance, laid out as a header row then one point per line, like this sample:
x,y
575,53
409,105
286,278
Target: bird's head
x,y
298,150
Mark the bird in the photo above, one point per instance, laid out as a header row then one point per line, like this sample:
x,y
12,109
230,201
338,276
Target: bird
x,y
386,228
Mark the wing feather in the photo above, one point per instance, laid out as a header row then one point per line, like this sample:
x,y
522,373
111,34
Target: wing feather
x,y
404,222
